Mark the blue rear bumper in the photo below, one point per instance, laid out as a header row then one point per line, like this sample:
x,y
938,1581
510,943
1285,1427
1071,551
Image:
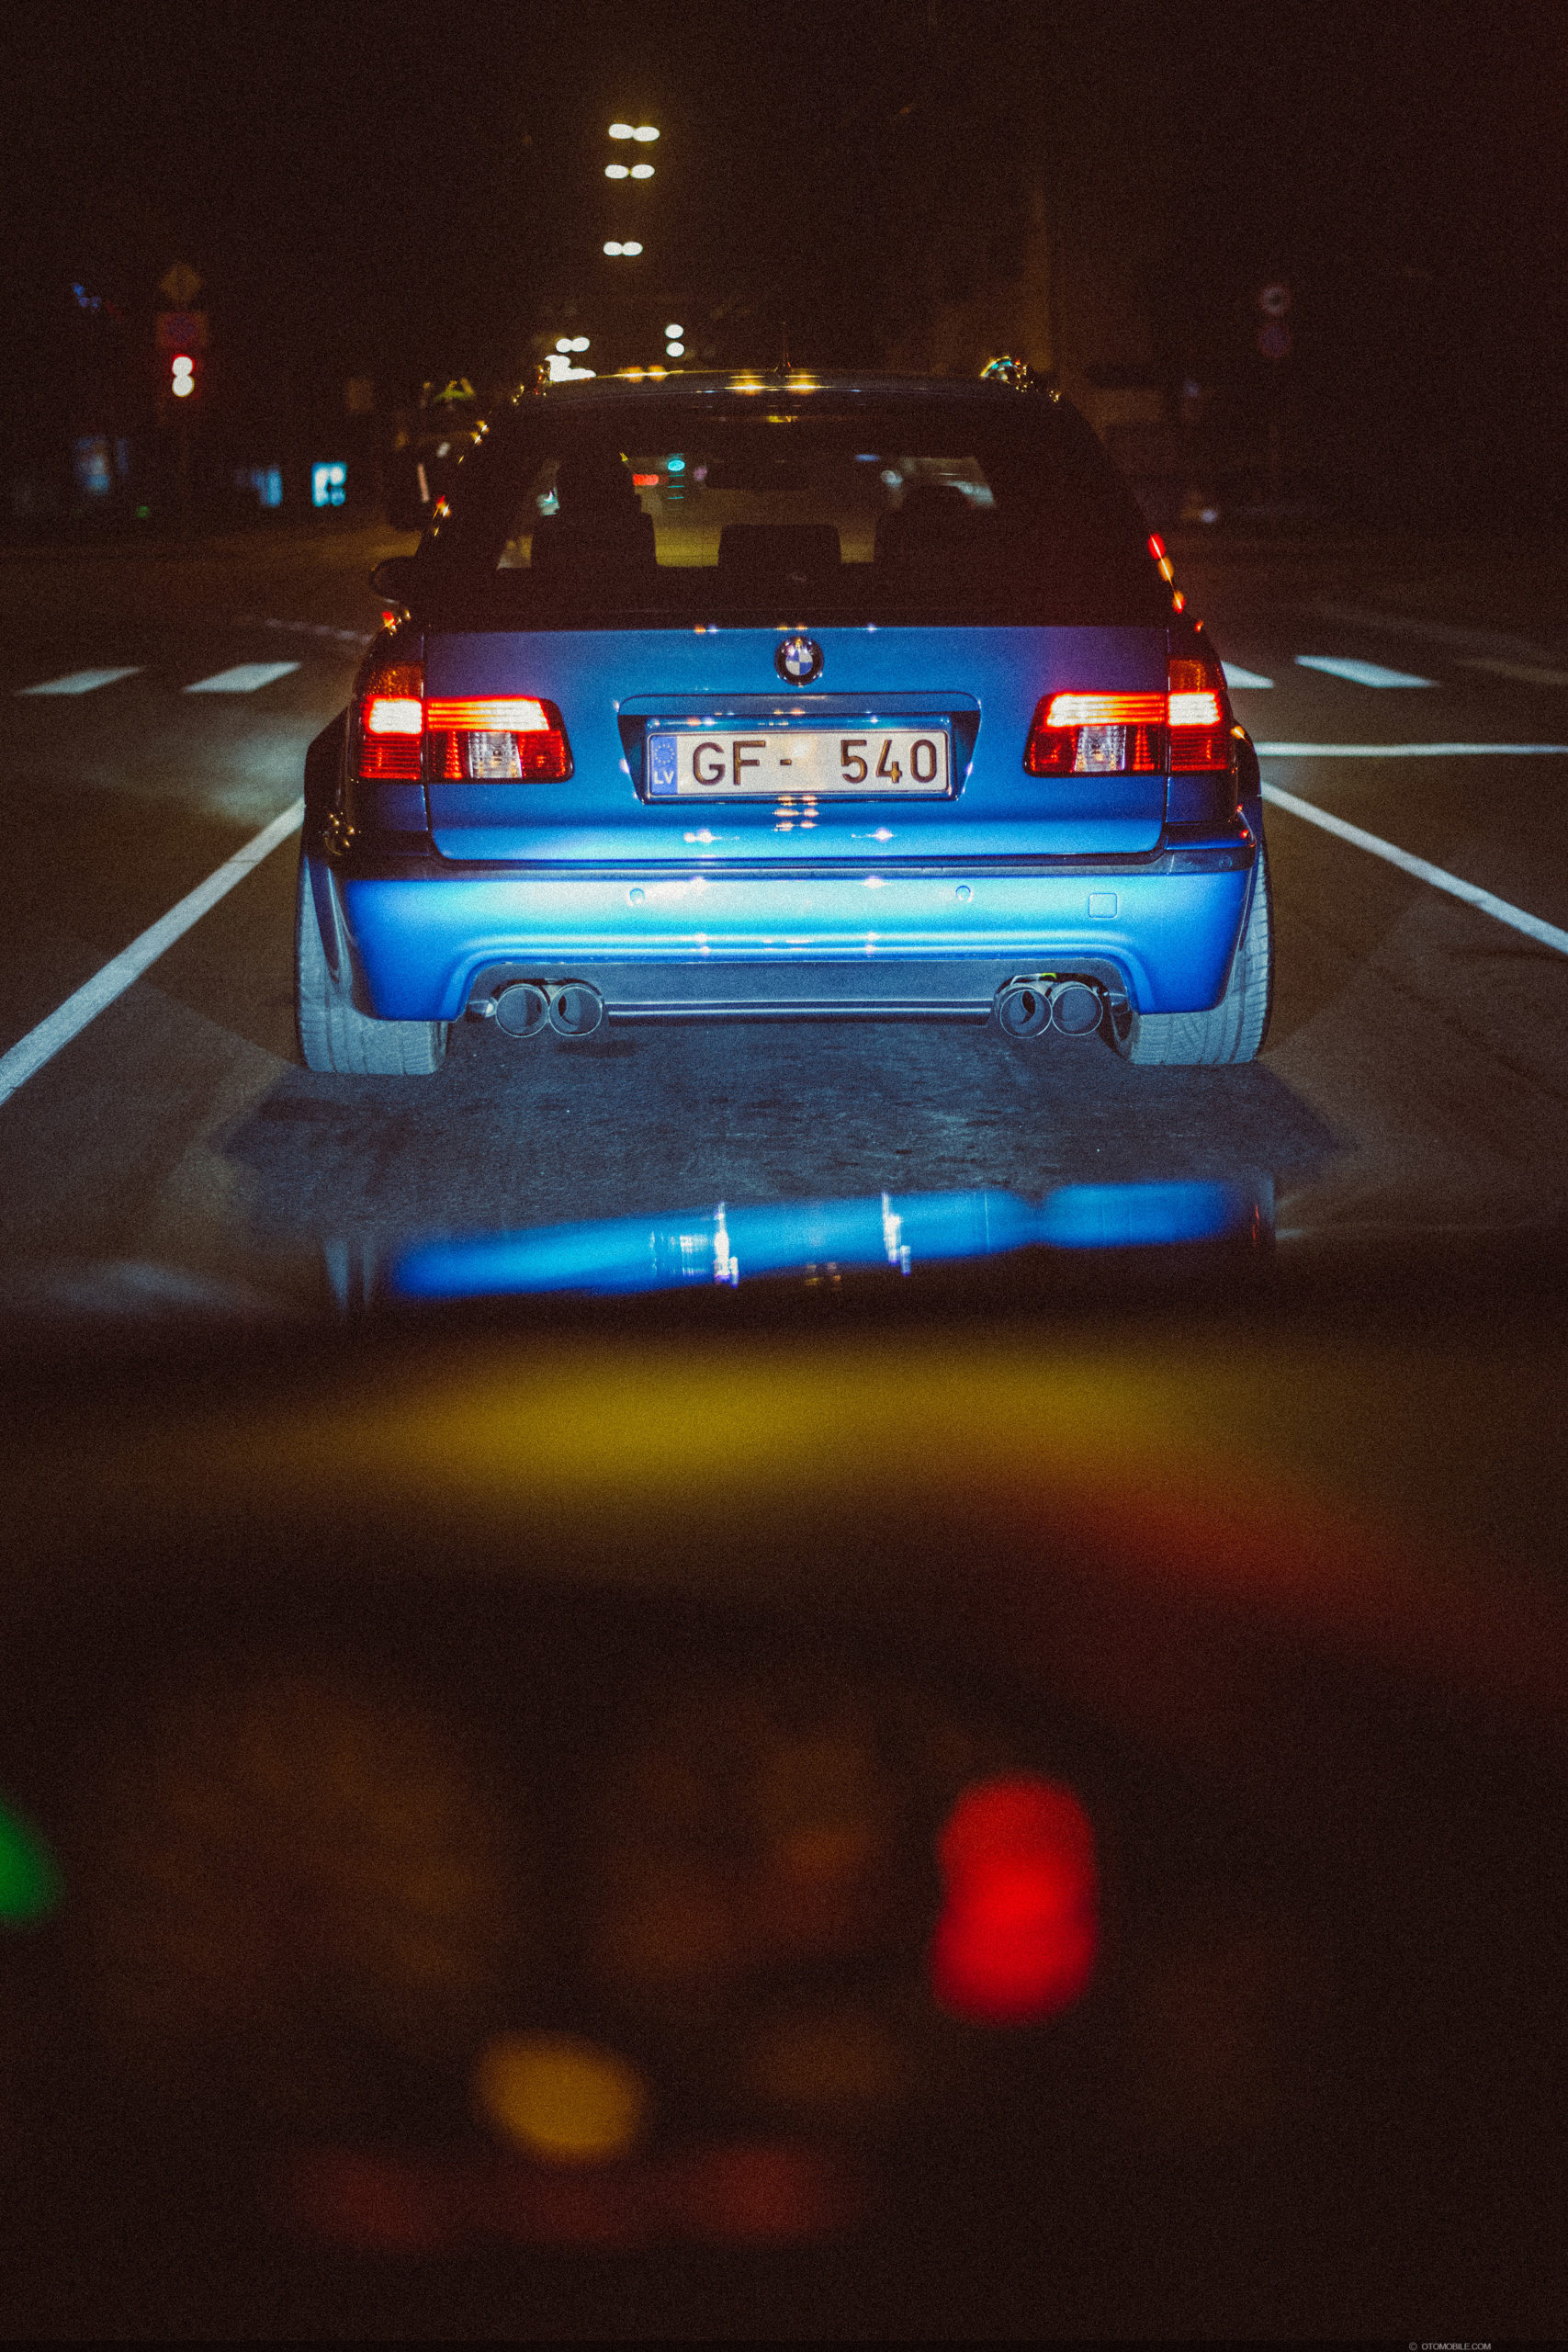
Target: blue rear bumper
x,y
931,940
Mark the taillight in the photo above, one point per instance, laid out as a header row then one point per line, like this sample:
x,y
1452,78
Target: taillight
x,y
1136,734
392,723
1200,716
507,739
1097,735
493,740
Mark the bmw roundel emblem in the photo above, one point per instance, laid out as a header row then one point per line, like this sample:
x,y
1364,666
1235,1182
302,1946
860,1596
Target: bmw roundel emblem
x,y
798,661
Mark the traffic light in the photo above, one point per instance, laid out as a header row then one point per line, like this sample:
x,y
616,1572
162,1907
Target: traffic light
x,y
181,339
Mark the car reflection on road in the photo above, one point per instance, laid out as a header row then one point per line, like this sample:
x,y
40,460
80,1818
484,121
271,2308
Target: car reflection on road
x,y
723,1245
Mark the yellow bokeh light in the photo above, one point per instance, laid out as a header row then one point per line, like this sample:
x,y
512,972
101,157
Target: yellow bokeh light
x,y
564,2100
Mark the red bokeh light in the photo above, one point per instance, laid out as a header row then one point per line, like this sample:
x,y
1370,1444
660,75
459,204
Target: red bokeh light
x,y
1019,1932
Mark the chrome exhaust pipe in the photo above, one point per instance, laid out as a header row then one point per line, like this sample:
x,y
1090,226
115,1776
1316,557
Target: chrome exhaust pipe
x,y
1075,1009
522,1010
1023,1008
577,1008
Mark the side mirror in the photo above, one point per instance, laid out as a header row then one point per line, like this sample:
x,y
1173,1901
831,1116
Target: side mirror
x,y
392,579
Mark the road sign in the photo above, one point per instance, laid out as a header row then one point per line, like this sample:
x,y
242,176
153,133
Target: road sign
x,y
181,284
1274,339
182,331
1274,300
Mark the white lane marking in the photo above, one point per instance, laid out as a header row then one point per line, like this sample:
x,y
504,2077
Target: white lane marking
x,y
243,678
81,682
1359,673
1409,751
1437,875
1521,674
68,1020
1237,676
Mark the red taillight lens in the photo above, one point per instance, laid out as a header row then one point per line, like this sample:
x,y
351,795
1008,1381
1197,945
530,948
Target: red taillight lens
x,y
495,739
513,714
502,739
1199,715
391,724
1136,734
1084,734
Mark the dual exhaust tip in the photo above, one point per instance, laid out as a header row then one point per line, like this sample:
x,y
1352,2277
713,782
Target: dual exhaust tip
x,y
1028,1008
571,1008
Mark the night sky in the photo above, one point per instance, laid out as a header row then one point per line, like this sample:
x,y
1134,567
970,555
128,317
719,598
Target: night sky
x,y
400,191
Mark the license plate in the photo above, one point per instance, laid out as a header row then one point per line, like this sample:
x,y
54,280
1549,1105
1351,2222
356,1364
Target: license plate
x,y
814,762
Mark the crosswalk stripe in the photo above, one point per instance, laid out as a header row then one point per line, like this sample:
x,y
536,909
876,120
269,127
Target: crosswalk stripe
x,y
1359,673
1438,876
243,678
81,682
1237,676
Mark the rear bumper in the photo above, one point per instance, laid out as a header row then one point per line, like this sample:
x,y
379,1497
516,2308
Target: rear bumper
x,y
1160,931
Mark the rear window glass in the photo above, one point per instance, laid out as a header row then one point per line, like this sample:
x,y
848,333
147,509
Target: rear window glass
x,y
931,513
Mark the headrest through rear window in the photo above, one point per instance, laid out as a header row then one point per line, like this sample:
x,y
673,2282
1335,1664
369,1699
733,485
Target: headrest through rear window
x,y
591,480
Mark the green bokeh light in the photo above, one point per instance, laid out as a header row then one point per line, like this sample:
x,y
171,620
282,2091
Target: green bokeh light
x,y
30,1884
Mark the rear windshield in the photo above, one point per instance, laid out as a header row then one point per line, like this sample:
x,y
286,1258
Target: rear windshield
x,y
930,511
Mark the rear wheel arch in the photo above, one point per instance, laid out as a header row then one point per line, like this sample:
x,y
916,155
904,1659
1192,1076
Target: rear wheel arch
x,y
1235,1029
334,1034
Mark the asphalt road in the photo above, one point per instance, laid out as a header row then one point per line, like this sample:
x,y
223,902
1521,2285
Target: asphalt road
x,y
1415,1076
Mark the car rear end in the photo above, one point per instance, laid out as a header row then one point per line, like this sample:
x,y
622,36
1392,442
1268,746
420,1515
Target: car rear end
x,y
783,697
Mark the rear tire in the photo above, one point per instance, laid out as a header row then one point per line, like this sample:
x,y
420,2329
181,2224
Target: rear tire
x,y
1231,1031
334,1034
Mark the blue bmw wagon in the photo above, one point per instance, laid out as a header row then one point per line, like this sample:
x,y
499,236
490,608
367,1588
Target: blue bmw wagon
x,y
788,695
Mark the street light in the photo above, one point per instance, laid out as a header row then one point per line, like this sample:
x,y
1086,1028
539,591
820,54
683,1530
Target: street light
x,y
642,171
674,333
645,130
614,247
616,172
674,351
642,130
